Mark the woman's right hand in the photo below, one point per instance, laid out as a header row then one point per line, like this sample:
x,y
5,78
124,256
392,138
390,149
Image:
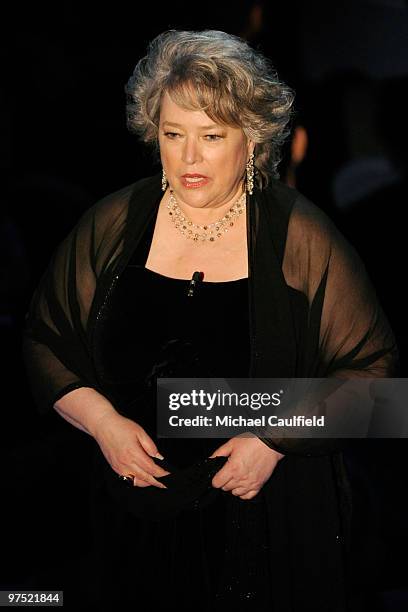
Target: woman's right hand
x,y
129,449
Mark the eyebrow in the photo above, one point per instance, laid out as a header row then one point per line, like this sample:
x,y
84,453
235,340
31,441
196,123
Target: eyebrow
x,y
204,127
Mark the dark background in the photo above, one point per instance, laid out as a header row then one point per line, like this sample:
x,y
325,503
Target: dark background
x,y
64,144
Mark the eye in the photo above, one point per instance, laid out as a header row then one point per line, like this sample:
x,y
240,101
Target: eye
x,y
213,137
171,135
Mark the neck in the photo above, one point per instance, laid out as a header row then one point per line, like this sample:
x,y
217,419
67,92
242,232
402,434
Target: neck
x,y
213,211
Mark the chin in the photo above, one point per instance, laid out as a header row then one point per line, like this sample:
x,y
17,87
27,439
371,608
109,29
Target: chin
x,y
194,197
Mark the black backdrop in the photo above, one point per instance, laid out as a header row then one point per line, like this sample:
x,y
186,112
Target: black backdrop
x,y
65,144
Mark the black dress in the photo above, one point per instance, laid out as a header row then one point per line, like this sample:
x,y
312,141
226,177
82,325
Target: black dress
x,y
313,313
206,558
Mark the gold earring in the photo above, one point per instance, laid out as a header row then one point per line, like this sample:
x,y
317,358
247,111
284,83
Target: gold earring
x,y
250,174
164,181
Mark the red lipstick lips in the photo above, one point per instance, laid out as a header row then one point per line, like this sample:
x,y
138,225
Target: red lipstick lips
x,y
195,175
194,180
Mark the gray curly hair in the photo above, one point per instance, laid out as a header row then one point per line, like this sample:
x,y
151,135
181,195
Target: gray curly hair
x,y
223,76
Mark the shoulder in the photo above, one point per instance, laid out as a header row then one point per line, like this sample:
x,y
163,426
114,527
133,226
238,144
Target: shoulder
x,y
122,197
299,208
305,217
311,234
113,208
295,216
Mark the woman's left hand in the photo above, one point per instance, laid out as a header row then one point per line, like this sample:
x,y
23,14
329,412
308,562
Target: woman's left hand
x,y
250,464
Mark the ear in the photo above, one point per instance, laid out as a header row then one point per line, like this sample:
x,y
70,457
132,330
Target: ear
x,y
251,147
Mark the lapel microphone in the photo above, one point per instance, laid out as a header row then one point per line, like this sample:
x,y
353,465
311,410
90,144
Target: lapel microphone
x,y
196,278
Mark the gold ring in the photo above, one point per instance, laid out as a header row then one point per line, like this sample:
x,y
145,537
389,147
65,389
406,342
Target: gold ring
x,y
128,478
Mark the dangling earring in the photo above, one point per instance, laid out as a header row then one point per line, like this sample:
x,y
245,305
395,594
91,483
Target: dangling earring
x,y
164,181
250,174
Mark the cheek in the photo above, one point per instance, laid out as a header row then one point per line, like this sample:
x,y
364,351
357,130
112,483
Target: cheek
x,y
233,162
167,157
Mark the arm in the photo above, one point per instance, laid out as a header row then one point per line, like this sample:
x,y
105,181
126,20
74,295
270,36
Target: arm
x,y
348,333
84,408
55,340
57,347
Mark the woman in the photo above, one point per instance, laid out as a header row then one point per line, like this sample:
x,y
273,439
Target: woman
x,y
259,523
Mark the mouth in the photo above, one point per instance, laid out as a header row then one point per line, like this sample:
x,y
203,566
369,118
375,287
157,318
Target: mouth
x,y
193,181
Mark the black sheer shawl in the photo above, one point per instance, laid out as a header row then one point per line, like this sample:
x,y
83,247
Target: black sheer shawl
x,y
291,243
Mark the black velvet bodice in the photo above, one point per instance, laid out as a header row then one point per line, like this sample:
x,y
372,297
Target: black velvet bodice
x,y
152,324
151,328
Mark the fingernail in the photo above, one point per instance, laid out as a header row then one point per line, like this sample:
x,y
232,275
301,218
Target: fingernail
x,y
159,456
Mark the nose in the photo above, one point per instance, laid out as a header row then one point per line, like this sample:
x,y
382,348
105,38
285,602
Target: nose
x,y
191,153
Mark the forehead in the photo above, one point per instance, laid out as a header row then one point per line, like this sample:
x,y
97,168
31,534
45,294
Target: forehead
x,y
172,112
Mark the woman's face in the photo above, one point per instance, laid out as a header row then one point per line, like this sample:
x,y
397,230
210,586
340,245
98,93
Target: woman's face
x,y
204,161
